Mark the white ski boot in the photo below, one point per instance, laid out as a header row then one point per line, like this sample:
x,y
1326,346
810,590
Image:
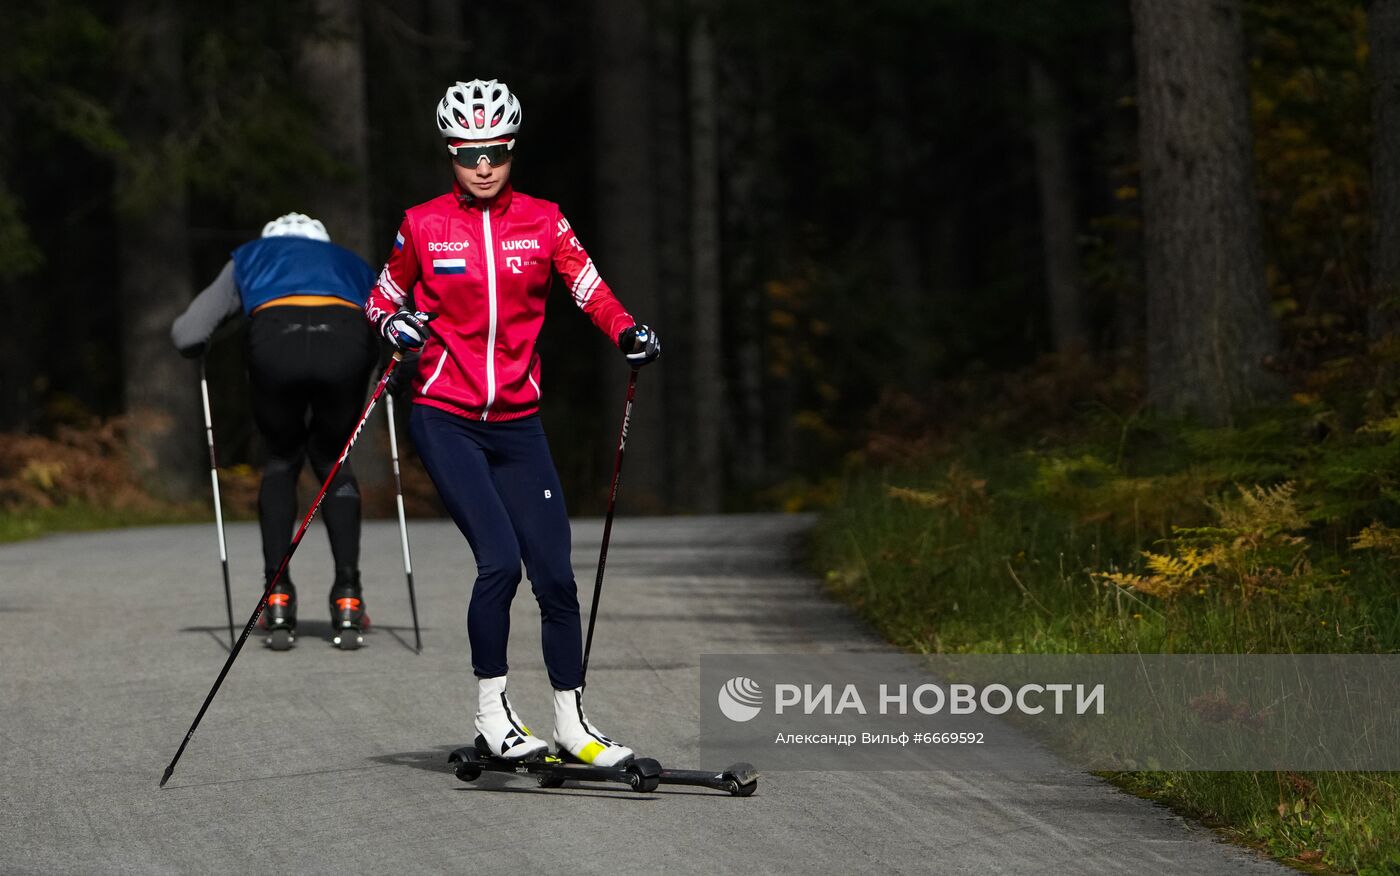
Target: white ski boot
x,y
573,733
500,732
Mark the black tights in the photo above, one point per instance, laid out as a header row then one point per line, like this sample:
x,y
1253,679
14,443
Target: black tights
x,y
309,367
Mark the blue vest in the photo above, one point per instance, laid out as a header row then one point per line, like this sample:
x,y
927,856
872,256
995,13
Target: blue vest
x,y
275,267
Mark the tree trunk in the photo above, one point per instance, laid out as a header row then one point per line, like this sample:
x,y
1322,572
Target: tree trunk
x,y
333,75
706,364
332,69
20,257
1117,159
749,156
901,211
671,149
1058,224
18,402
1210,332
624,244
160,388
448,61
1384,31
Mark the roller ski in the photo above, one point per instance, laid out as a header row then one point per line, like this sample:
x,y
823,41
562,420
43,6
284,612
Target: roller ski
x,y
737,780
348,618
505,745
280,616
639,774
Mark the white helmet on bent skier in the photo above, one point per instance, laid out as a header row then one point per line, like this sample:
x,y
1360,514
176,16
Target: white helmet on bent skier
x,y
296,225
481,109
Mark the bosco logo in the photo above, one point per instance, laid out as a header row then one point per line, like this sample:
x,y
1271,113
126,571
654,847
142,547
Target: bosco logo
x,y
740,699
447,245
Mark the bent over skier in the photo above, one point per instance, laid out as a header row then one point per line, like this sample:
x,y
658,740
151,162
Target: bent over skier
x,y
309,360
481,258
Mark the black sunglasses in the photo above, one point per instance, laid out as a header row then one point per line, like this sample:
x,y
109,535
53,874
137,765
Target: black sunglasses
x,y
469,154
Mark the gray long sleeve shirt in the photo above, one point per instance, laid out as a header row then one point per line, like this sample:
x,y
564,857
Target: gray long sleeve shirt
x,y
210,309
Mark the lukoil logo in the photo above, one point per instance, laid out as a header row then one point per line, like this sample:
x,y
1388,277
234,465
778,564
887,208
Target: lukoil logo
x,y
741,699
447,245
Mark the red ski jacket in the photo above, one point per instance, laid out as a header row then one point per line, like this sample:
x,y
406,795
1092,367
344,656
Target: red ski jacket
x,y
485,268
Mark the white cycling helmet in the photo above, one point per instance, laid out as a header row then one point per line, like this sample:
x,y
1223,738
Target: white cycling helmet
x,y
478,110
296,225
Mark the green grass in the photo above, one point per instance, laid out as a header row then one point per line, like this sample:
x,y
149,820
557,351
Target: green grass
x,y
994,550
82,517
1347,822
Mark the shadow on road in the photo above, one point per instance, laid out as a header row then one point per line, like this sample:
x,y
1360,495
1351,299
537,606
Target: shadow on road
x,y
307,632
499,785
264,779
219,634
435,761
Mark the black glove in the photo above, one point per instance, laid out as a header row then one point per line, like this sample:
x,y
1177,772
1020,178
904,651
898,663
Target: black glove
x,y
406,330
639,344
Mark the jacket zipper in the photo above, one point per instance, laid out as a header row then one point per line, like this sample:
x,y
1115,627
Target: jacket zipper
x,y
491,294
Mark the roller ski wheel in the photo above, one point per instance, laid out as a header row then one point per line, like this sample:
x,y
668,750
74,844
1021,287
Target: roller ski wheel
x,y
348,617
282,639
280,616
348,640
741,780
468,772
644,774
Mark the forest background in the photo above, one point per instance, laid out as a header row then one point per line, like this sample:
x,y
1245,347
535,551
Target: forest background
x,y
1076,318
814,214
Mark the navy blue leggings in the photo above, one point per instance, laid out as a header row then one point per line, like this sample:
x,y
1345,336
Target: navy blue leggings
x,y
499,484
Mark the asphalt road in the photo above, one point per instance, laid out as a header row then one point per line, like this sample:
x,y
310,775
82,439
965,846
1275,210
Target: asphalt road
x,y
317,760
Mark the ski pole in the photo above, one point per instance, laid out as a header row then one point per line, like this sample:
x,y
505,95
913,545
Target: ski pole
x,y
403,524
218,505
281,569
608,522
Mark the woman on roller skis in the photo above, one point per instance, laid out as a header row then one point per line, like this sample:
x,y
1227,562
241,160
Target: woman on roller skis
x,y
481,259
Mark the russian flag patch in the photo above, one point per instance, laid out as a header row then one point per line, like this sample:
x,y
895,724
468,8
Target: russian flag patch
x,y
449,266
398,240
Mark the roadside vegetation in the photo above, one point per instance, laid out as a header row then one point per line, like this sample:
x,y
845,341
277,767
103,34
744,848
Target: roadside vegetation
x,y
1030,515
81,477
81,474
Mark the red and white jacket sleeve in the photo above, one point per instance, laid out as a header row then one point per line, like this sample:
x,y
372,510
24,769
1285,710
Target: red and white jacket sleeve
x,y
586,287
396,281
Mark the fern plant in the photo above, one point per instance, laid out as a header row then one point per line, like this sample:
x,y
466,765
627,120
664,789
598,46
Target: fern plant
x,y
1255,548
